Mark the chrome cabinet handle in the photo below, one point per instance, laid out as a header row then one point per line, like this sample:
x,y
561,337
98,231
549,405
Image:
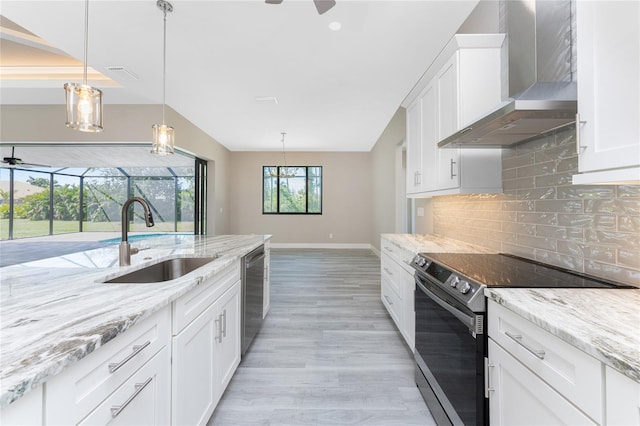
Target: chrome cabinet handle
x,y
388,300
388,271
518,339
579,148
387,248
218,337
113,367
117,409
224,324
487,378
452,163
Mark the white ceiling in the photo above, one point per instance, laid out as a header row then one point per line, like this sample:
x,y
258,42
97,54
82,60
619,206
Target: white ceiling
x,y
336,90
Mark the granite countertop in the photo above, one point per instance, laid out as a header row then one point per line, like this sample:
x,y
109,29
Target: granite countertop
x,y
56,311
412,244
604,323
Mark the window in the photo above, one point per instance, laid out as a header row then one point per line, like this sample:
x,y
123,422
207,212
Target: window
x,y
292,190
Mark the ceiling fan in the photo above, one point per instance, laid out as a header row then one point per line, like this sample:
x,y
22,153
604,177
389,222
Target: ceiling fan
x,y
15,161
321,5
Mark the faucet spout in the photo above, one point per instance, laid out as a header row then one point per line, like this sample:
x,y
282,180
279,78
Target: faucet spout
x,y
125,249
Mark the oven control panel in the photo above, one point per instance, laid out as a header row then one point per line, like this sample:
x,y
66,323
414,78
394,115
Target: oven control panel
x,y
461,288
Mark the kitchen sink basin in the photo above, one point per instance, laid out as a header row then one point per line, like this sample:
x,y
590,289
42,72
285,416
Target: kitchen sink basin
x,y
164,271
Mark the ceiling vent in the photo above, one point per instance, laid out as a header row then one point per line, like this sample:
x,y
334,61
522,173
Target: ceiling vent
x,y
267,99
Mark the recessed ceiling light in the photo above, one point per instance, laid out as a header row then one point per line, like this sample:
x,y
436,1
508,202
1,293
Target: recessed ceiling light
x,y
335,26
267,99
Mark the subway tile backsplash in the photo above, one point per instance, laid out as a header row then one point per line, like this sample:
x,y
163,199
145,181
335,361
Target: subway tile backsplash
x,y
542,216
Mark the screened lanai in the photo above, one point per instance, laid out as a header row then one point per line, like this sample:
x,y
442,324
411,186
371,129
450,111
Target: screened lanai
x,y
39,201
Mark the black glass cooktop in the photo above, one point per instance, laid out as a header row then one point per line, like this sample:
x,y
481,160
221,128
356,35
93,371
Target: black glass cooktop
x,y
503,270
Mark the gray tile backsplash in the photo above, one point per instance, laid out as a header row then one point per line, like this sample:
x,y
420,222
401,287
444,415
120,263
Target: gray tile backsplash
x,y
542,216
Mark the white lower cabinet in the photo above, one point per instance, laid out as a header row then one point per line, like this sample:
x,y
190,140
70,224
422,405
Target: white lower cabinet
x,y
205,355
519,397
535,378
266,296
623,399
113,375
397,290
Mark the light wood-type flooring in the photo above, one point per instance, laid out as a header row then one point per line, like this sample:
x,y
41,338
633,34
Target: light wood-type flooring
x,y
328,352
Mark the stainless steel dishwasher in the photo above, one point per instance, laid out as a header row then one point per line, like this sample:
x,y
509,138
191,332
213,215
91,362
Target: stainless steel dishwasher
x,y
252,295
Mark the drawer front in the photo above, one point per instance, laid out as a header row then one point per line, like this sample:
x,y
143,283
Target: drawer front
x,y
393,273
192,304
144,399
571,372
400,256
74,393
391,301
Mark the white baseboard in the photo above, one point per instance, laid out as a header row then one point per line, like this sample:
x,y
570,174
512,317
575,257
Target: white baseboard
x,y
324,245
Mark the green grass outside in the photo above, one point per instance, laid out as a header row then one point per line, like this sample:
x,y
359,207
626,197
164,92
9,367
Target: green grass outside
x,y
23,228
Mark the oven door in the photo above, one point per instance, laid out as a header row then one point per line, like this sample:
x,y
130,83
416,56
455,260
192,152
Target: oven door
x,y
449,352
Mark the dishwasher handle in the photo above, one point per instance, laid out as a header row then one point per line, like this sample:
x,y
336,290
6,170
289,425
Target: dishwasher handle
x,y
255,259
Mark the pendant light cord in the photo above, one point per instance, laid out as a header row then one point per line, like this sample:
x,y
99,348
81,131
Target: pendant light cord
x,y
164,63
86,38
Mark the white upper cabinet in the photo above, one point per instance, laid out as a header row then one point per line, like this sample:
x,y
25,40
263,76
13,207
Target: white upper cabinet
x,y
608,91
461,84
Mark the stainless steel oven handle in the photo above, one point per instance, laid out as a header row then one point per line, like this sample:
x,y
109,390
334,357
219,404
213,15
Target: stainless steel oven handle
x,y
465,319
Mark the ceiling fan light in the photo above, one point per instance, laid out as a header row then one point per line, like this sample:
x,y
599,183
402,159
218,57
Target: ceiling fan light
x,y
84,107
163,139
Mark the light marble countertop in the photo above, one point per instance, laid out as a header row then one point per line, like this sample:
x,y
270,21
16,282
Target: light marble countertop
x,y
412,244
604,323
56,311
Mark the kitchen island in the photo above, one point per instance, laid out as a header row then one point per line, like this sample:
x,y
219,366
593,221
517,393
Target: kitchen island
x,y
56,311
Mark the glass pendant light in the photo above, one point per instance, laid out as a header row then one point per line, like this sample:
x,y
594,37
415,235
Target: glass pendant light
x,y
163,135
84,103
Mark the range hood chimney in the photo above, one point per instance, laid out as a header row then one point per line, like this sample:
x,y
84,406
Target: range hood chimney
x,y
539,90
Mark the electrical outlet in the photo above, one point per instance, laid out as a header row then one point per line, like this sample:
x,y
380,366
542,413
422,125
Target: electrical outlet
x,y
420,211
330,236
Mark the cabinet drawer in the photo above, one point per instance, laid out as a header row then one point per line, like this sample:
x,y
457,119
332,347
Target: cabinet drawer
x,y
392,302
392,272
192,304
74,393
398,255
623,399
141,400
571,372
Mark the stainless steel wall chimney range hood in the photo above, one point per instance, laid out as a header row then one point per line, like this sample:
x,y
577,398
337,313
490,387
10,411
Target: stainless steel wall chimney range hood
x,y
538,76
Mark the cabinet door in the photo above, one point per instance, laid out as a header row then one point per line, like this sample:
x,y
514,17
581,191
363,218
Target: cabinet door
x,y
414,146
429,178
608,84
447,159
622,399
266,296
194,383
25,411
519,397
227,349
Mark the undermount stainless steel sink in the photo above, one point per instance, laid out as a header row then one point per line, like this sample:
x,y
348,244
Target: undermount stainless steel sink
x,y
164,271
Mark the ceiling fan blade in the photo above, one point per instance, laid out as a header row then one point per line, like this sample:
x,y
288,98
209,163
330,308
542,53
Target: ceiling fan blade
x,y
273,1
324,5
34,165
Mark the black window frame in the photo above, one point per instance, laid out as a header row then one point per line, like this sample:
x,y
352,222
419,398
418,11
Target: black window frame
x,y
306,183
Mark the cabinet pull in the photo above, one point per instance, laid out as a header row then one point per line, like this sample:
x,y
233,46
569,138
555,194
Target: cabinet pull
x,y
579,148
224,324
487,378
419,175
518,339
388,300
218,337
388,271
452,163
117,409
113,367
